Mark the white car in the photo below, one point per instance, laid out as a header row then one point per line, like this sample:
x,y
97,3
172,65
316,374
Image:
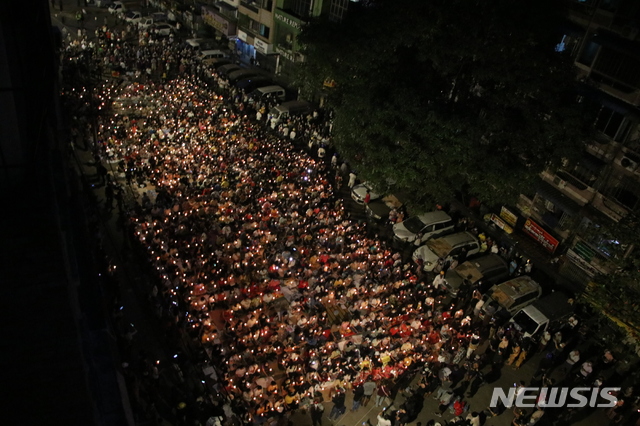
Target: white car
x,y
132,17
163,29
117,7
145,22
418,229
359,192
440,248
208,55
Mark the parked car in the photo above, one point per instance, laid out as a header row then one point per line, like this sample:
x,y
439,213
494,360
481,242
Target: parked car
x,y
440,248
217,63
509,297
226,69
193,42
145,22
248,85
543,314
380,209
163,29
159,17
132,17
207,55
266,91
359,192
202,43
117,7
418,229
289,109
237,75
488,270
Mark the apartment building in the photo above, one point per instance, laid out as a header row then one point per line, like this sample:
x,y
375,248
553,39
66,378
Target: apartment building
x,y
602,36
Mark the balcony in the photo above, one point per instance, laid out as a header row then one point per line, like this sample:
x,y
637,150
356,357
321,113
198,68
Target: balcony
x,y
252,5
570,186
608,207
603,148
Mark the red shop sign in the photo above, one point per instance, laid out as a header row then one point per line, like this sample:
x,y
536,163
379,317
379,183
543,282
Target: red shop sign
x,y
537,233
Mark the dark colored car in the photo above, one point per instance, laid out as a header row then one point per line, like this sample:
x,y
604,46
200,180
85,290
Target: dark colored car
x,y
241,74
250,84
225,70
490,269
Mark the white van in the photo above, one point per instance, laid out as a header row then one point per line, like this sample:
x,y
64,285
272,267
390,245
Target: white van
x,y
262,92
545,313
207,55
418,229
285,110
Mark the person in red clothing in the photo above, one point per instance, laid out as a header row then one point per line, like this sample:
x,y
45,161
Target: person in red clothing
x,y
367,198
459,407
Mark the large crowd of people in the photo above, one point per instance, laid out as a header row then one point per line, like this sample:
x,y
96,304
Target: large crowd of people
x,y
257,261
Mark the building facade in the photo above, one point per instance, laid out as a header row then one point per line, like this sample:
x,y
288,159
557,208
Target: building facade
x,y
256,33
602,36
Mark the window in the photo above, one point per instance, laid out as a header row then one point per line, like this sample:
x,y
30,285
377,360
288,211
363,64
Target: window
x,y
610,123
588,54
617,69
264,31
302,8
626,192
443,225
525,298
337,10
267,5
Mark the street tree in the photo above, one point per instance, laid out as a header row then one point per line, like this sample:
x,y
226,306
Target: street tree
x,y
442,96
615,294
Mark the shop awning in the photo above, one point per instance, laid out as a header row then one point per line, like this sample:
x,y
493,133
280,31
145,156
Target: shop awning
x,y
550,193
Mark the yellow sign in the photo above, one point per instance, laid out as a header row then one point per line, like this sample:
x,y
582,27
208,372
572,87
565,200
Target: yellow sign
x,y
508,217
501,223
329,83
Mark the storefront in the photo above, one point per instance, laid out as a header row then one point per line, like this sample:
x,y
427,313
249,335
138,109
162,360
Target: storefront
x,y
555,210
244,47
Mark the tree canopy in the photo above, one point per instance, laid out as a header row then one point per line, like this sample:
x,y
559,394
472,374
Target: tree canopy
x,y
440,96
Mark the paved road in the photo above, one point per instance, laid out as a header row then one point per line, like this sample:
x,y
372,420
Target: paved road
x,y
149,339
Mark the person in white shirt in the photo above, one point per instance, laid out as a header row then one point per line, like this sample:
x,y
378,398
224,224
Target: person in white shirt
x,y
439,280
352,180
474,419
382,420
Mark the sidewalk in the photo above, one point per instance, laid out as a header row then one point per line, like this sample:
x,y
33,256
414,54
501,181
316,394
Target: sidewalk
x,y
543,271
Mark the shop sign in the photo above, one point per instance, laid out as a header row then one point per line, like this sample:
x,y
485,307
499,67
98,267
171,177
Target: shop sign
x,y
261,46
524,204
543,237
242,35
579,261
290,22
218,22
501,223
508,216
287,54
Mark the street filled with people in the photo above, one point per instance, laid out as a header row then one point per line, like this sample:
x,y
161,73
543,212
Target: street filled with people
x,y
256,262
